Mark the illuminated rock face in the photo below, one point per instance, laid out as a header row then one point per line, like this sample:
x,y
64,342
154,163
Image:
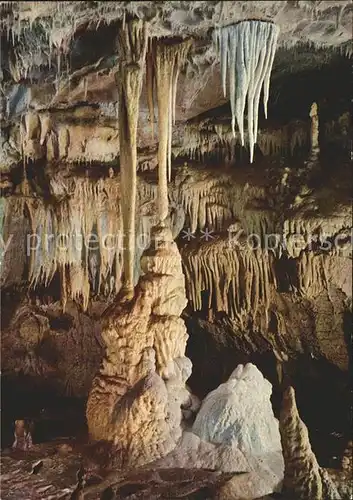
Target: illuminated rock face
x,y
243,283
136,398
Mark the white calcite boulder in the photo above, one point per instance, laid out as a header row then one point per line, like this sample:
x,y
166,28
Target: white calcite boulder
x,y
239,413
253,477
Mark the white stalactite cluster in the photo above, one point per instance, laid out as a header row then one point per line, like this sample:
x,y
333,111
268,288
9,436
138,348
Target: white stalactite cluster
x,y
247,51
238,280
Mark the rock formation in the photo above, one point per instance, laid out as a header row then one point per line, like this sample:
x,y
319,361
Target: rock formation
x,y
235,431
132,48
23,438
247,50
146,340
302,478
154,215
347,459
315,149
167,59
136,399
239,412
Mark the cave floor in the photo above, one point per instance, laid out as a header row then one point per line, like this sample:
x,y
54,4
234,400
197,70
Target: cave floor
x,y
53,471
45,471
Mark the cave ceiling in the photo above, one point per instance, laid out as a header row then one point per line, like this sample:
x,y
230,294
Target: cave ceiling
x,y
60,58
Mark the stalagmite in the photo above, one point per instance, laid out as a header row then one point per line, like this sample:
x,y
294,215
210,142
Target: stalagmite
x,y
304,479
315,149
164,66
132,51
136,399
247,49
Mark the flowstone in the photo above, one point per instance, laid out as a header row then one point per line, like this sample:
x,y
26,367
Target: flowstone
x,y
136,398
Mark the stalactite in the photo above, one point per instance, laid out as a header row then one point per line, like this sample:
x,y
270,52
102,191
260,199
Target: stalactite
x,y
204,139
165,62
313,273
247,49
150,328
149,84
238,280
132,50
83,208
214,202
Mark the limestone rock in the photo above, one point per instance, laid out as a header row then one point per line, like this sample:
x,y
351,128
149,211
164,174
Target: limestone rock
x,y
23,438
236,431
163,483
64,351
329,486
302,479
61,477
339,483
347,459
136,398
239,413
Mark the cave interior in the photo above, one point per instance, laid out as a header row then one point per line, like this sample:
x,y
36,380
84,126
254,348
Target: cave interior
x,y
176,221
